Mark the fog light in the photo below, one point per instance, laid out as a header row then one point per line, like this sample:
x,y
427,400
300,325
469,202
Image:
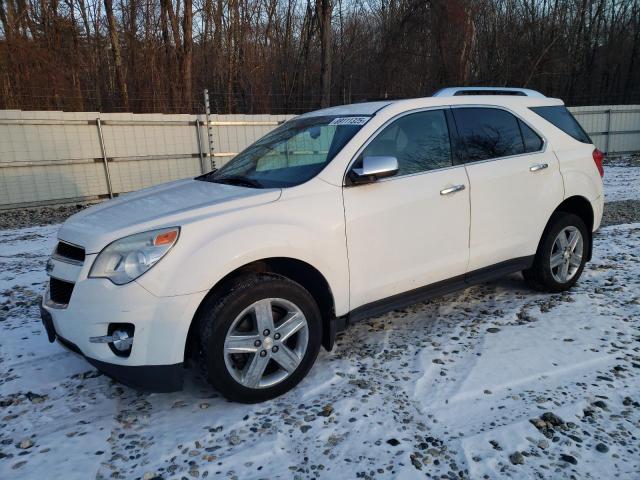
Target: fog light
x,y
122,338
119,338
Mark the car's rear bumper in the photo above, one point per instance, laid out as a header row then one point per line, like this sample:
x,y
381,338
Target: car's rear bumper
x,y
153,378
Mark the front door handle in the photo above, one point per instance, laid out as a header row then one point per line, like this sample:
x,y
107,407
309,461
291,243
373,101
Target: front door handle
x,y
455,188
538,166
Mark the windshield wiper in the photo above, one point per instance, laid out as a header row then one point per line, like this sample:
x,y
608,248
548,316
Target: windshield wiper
x,y
238,180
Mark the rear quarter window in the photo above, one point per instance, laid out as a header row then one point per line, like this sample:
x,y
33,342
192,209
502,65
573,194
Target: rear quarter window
x,y
532,141
560,117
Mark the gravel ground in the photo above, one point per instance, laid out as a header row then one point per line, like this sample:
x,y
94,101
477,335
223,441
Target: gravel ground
x,y
495,381
36,216
623,161
624,211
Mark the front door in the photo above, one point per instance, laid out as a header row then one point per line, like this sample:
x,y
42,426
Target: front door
x,y
412,229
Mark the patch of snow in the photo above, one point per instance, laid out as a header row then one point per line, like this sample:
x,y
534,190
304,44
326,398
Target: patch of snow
x,y
447,387
621,183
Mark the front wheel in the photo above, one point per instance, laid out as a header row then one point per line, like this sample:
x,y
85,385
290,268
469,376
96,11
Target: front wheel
x,y
261,339
561,255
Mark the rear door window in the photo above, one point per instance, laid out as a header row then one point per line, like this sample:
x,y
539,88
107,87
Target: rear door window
x,y
561,117
488,133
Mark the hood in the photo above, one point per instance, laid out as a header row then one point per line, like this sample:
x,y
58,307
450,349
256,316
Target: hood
x,y
169,204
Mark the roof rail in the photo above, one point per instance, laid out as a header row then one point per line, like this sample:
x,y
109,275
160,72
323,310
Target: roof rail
x,y
456,91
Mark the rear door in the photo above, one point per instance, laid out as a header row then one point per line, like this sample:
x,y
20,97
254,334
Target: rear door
x,y
515,184
412,229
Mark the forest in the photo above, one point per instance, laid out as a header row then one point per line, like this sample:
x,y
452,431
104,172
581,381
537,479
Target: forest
x,y
290,56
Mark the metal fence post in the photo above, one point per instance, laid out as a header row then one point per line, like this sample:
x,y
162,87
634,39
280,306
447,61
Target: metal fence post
x,y
207,111
606,145
104,158
200,154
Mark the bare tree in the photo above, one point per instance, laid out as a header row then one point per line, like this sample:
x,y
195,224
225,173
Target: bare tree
x,y
287,56
324,11
117,56
187,50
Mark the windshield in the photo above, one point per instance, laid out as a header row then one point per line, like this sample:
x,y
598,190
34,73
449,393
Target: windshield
x,y
291,154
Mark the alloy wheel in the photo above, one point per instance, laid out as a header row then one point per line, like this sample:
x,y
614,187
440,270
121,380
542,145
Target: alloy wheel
x,y
266,343
566,254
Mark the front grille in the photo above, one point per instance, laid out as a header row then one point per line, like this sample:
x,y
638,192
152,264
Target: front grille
x,y
60,291
70,252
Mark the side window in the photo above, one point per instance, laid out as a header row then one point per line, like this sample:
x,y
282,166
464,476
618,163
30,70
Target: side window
x,y
562,118
532,141
488,133
420,142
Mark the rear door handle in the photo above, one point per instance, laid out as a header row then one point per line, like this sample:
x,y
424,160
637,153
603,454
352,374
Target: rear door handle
x,y
454,189
538,166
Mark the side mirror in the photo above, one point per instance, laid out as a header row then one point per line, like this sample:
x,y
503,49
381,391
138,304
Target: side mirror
x,y
374,168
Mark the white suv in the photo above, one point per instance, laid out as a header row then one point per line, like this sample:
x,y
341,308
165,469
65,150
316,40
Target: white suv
x,y
334,216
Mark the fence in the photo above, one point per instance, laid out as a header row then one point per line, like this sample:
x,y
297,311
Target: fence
x,y
615,129
57,157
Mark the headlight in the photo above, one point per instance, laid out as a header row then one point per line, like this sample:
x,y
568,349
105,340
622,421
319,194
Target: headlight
x,y
126,259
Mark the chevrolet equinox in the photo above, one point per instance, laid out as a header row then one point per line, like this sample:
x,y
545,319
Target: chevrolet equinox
x,y
334,216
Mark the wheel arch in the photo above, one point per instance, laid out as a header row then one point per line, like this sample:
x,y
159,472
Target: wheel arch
x,y
581,207
294,269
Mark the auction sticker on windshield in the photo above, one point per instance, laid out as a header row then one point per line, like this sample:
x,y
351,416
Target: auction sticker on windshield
x,y
349,121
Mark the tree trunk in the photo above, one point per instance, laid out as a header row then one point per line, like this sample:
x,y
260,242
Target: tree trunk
x,y
133,51
6,20
117,57
166,21
187,54
324,10
175,61
218,54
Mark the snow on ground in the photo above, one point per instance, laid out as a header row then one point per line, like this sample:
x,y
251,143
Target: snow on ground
x,y
621,183
496,381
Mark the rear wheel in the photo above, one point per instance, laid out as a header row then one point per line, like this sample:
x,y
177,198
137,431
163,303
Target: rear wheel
x,y
561,255
260,340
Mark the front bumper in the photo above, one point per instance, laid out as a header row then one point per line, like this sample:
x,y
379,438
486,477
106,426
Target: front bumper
x,y
161,326
154,378
161,323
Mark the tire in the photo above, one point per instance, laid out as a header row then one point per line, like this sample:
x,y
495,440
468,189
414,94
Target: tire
x,y
241,312
542,276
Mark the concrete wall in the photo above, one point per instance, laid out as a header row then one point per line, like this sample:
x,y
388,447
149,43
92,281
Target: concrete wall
x,y
56,157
